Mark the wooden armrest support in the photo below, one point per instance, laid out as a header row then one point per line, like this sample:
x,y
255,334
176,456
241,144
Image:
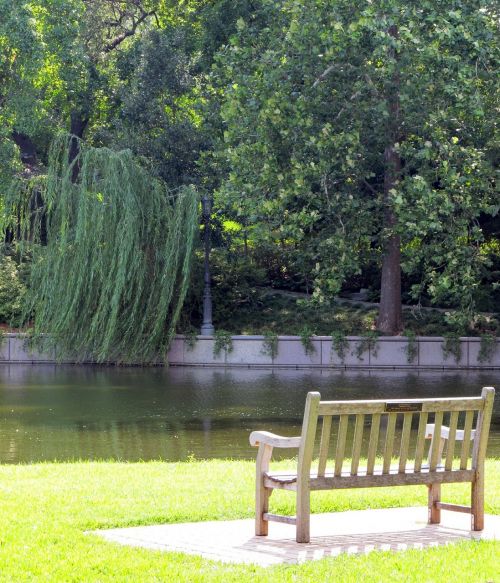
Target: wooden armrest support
x,y
445,432
258,437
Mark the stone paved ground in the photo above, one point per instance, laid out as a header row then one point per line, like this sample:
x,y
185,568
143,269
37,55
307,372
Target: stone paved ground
x,y
359,531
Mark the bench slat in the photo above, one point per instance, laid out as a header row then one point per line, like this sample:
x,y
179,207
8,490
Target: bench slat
x,y
464,457
324,445
435,449
419,451
340,450
372,447
362,480
450,448
356,407
389,441
357,441
405,441
391,479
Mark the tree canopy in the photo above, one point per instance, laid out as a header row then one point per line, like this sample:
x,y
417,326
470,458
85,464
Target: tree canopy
x,y
345,145
351,128
111,280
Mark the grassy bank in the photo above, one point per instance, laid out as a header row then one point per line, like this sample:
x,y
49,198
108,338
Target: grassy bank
x,y
45,509
265,310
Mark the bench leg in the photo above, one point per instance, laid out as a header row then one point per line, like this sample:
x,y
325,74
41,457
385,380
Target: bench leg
x,y
262,493
303,516
477,502
434,495
261,506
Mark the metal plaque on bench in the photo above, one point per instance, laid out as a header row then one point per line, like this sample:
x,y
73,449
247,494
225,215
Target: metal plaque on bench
x,y
402,407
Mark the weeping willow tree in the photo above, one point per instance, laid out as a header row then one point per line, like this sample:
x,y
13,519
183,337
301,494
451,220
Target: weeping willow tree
x,y
110,278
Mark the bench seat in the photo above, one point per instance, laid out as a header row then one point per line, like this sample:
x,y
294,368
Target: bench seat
x,y
288,480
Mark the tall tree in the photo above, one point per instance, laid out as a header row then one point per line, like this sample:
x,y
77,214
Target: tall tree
x,y
81,37
110,281
366,129
20,56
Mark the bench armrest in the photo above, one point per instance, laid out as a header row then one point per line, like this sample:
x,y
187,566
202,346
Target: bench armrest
x,y
445,432
258,437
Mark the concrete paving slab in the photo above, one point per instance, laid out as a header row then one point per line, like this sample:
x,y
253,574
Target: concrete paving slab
x,y
352,532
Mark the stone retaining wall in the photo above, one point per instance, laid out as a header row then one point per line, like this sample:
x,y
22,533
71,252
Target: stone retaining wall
x,y
249,351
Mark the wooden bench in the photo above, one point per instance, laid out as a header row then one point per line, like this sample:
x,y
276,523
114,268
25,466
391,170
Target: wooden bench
x,y
348,421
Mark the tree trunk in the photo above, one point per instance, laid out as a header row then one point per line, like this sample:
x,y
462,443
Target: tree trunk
x,y
27,150
390,318
77,127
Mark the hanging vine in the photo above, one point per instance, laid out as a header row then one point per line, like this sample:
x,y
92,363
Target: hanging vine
x,y
110,281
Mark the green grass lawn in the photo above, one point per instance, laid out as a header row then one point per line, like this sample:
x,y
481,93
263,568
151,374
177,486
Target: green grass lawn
x,y
45,509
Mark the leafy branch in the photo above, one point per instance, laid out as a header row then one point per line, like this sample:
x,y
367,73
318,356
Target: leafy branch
x,y
367,343
487,347
223,342
306,335
340,344
452,346
411,347
270,344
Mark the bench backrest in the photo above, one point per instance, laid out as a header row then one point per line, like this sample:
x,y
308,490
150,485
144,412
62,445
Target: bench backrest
x,y
352,421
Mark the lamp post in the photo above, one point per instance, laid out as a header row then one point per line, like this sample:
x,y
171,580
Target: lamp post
x,y
207,328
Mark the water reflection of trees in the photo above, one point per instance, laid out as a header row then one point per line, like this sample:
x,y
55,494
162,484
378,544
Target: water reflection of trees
x,y
49,412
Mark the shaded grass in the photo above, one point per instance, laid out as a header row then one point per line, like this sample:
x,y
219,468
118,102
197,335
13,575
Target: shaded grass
x,y
46,508
286,314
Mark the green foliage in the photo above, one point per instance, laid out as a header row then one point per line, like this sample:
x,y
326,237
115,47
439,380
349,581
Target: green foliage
x,y
9,163
487,347
234,288
411,347
368,343
112,278
250,308
191,338
340,344
20,58
307,88
156,97
12,291
306,335
270,344
452,346
223,342
289,127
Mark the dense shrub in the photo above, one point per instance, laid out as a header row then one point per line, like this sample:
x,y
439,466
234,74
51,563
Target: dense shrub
x,y
12,291
235,284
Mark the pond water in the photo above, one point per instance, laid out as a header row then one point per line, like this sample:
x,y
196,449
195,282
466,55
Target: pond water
x,y
68,412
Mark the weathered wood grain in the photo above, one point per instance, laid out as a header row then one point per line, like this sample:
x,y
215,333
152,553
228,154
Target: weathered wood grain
x,y
357,441
389,442
405,441
373,444
419,450
324,444
341,439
